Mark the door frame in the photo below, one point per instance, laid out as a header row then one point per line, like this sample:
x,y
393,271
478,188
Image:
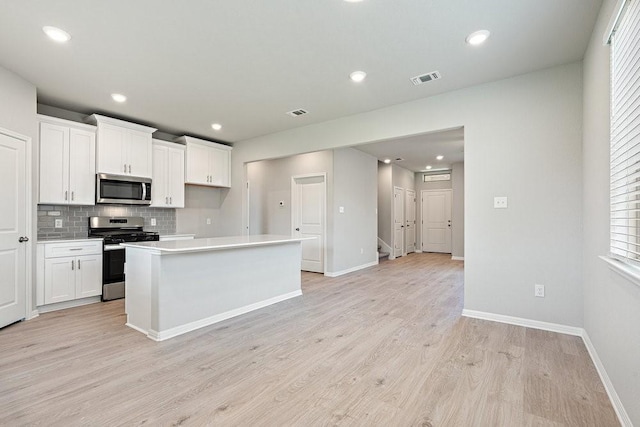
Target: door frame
x,y
393,222
324,201
415,217
450,190
30,309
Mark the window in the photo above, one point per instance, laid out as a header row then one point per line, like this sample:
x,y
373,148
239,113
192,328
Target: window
x,y
625,133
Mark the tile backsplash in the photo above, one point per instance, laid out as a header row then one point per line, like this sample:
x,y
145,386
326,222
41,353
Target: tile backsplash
x,y
75,224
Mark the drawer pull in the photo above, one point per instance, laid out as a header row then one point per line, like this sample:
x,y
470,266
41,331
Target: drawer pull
x,y
75,249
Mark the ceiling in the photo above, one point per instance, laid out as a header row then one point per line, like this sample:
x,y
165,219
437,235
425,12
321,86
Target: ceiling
x,y
418,151
244,63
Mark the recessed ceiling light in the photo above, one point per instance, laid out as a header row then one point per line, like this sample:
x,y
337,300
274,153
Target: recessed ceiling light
x,y
428,167
118,97
216,126
439,157
478,37
357,76
56,34
387,161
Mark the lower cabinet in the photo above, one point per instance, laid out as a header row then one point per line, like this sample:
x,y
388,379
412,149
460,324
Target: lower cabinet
x,y
69,271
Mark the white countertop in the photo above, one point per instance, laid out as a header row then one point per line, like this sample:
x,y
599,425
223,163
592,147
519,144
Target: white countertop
x,y
214,243
78,240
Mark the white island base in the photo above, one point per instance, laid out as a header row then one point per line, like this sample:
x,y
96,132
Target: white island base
x,y
178,286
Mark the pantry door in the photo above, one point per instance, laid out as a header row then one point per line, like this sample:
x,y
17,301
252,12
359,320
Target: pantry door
x,y
308,201
13,228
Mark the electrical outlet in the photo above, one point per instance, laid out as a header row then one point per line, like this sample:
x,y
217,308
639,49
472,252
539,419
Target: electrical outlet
x,y
361,251
58,223
500,202
341,209
208,221
153,222
539,291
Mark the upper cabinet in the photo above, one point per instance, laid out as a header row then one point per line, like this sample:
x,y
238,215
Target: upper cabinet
x,y
123,148
207,163
167,190
67,162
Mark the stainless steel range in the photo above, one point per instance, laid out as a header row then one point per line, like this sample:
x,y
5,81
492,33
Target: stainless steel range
x,y
116,230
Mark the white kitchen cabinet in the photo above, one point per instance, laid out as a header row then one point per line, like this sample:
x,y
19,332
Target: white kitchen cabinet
x,y
167,189
67,162
123,148
207,163
68,271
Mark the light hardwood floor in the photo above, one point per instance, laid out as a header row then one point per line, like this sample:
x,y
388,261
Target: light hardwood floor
x,y
385,346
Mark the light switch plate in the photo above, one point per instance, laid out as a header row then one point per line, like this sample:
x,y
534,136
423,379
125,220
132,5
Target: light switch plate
x,y
500,202
341,209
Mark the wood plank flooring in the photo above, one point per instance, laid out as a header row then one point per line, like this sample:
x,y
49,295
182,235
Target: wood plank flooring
x,y
385,346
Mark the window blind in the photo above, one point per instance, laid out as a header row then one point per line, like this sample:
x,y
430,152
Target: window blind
x,y
625,136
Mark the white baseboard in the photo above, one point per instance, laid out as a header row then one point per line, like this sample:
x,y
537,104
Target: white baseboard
x,y
67,304
418,251
457,258
192,326
528,323
351,270
623,417
33,314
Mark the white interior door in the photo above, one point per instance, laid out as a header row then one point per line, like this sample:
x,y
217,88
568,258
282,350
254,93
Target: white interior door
x,y
436,221
410,221
13,212
398,221
308,195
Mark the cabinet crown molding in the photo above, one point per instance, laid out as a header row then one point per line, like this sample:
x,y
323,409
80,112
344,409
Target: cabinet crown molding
x,y
98,119
191,140
64,122
169,144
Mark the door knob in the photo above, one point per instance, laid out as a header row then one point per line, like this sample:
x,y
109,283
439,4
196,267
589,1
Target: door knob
x,y
23,239
297,229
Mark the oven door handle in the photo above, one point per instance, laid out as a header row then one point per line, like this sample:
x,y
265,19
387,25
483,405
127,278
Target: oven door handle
x,y
113,247
144,191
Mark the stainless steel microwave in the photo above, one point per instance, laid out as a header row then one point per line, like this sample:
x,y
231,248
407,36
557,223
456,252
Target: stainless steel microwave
x,y
122,190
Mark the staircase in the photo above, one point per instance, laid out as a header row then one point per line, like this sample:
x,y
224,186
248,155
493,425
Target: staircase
x,y
382,256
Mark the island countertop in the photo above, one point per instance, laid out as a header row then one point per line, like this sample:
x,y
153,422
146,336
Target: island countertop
x,y
214,243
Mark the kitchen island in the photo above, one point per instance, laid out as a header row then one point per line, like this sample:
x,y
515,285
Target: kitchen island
x,y
174,287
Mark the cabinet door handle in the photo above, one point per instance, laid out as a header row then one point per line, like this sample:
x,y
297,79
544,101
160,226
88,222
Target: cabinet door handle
x,y
129,168
125,168
72,195
72,265
66,194
170,201
166,200
78,264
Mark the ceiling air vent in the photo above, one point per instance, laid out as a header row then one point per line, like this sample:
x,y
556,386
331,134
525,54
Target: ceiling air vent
x,y
418,80
298,112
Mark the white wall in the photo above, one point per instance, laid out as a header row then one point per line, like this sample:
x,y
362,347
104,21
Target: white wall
x,y
457,211
523,140
611,303
18,114
270,182
351,236
201,204
354,231
385,205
